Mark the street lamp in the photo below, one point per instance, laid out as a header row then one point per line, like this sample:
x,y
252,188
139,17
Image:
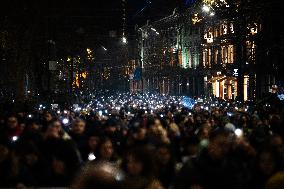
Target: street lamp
x,y
206,8
154,30
105,49
89,51
124,40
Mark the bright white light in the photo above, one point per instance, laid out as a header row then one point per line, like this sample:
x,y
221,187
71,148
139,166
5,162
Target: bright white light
x,y
40,105
65,121
100,113
153,29
187,84
124,40
162,115
212,14
65,111
206,8
206,108
15,138
30,116
105,49
238,132
91,157
78,109
58,112
119,177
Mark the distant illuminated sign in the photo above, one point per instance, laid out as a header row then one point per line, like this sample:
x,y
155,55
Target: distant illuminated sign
x,y
209,37
236,72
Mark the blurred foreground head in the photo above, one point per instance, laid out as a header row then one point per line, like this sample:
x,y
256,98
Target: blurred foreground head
x,y
101,175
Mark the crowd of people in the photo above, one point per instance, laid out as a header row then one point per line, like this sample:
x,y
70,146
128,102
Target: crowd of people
x,y
144,142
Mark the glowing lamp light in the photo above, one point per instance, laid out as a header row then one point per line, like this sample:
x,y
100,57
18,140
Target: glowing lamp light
x,y
15,138
65,121
124,40
238,132
206,8
100,113
30,116
105,49
212,14
91,157
89,51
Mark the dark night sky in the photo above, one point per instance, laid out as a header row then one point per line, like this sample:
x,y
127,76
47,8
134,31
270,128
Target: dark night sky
x,y
104,13
63,20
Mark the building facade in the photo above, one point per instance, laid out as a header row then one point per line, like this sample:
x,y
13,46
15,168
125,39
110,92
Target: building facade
x,y
212,48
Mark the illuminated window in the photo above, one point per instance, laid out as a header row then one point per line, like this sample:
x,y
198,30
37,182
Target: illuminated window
x,y
246,81
227,54
216,56
251,51
209,37
224,54
207,57
253,29
223,28
216,32
230,54
232,28
204,57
